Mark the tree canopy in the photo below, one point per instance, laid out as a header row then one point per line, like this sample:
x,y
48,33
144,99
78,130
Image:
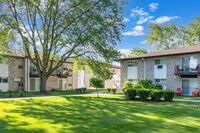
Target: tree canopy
x,y
97,83
136,51
55,30
164,37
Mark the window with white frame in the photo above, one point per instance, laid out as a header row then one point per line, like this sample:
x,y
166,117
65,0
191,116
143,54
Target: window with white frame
x,y
132,63
3,79
160,61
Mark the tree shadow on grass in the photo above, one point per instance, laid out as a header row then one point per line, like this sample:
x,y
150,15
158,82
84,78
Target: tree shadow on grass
x,y
84,114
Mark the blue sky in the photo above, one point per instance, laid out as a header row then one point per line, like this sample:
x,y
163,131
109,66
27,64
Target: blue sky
x,y
140,13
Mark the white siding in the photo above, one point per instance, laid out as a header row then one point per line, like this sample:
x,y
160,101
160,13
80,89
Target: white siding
x,y
4,73
160,73
81,79
132,72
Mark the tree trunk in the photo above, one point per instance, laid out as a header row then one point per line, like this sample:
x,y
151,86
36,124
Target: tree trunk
x,y
43,83
97,93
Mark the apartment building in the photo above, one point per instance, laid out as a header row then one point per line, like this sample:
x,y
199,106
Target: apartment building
x,y
175,68
18,73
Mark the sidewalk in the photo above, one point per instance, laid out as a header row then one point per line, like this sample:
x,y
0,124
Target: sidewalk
x,y
94,93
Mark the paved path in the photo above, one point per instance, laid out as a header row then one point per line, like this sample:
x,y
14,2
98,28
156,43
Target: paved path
x,y
94,93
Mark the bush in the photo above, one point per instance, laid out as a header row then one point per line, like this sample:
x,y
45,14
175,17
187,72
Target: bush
x,y
109,90
128,85
78,90
114,90
157,86
145,83
156,94
54,90
168,95
0,92
138,86
84,89
130,93
143,93
10,92
21,94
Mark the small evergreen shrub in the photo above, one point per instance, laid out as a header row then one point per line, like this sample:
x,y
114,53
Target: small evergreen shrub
x,y
145,83
156,94
114,90
0,92
130,93
78,90
168,95
10,92
109,90
21,94
84,89
128,85
157,86
143,93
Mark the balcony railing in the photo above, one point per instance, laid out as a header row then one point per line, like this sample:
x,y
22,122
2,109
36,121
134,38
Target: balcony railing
x,y
187,70
64,72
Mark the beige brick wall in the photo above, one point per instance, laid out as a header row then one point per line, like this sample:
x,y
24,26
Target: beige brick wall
x,y
15,72
150,69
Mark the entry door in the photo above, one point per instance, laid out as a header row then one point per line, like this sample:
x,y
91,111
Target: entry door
x,y
185,86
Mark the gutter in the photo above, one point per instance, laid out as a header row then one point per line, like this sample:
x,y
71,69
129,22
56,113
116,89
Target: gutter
x,y
144,68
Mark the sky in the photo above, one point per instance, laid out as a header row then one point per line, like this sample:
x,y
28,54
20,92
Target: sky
x,y
140,13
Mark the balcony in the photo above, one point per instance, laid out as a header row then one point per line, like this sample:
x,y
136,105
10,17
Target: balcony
x,y
64,73
187,70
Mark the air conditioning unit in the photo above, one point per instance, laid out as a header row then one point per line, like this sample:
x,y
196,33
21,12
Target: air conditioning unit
x,y
159,66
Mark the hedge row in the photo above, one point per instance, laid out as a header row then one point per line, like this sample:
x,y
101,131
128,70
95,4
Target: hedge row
x,y
81,90
155,94
113,90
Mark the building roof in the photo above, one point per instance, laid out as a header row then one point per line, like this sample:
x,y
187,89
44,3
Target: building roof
x,y
192,49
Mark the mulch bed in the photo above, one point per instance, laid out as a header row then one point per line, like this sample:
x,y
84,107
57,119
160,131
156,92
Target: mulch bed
x,y
147,101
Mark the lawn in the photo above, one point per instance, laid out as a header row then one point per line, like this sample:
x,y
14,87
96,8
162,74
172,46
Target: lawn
x,y
187,97
50,93
83,114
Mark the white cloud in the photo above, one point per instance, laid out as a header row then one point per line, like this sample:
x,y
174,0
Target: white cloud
x,y
143,42
144,19
163,19
124,51
126,20
138,12
153,6
136,31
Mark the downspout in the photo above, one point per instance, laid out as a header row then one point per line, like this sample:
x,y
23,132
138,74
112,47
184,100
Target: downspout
x,y
144,68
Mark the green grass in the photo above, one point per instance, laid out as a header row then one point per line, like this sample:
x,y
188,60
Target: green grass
x,y
84,114
35,94
187,97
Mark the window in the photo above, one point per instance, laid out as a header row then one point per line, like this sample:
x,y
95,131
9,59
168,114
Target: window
x,y
69,84
0,79
20,66
20,85
132,63
161,81
5,80
134,81
160,61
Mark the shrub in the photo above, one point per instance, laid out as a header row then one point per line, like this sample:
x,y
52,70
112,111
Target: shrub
x,y
21,94
78,90
168,95
128,85
114,90
145,83
138,86
143,93
157,86
0,92
10,92
156,94
130,93
109,90
84,89
54,90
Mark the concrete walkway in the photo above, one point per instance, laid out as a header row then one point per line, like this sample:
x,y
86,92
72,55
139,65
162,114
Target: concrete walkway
x,y
94,93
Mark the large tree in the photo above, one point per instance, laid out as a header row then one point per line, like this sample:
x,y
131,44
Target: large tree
x,y
136,51
194,31
164,37
54,30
